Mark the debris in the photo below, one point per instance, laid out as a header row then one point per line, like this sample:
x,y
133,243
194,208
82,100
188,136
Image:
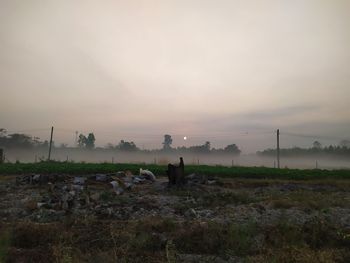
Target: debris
x,y
101,177
138,179
148,174
77,187
200,179
40,204
95,197
191,213
36,178
79,180
114,184
121,174
118,190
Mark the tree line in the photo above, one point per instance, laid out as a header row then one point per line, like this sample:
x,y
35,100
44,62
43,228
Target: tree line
x,y
342,149
24,141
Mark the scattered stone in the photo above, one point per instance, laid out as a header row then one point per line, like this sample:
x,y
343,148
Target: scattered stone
x,y
95,197
79,180
101,177
191,213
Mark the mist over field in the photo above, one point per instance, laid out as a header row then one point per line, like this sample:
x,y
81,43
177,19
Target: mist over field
x,y
77,155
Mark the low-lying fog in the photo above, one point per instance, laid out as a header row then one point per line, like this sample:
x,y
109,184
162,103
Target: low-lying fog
x,y
78,155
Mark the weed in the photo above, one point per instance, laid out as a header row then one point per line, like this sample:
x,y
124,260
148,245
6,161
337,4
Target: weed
x,y
5,242
106,196
241,238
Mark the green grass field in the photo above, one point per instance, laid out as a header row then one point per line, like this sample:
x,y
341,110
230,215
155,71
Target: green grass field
x,y
159,170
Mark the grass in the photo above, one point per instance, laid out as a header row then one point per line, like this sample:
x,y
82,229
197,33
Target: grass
x,y
159,170
148,240
308,199
5,242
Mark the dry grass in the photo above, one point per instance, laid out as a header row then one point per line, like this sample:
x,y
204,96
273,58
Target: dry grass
x,y
148,241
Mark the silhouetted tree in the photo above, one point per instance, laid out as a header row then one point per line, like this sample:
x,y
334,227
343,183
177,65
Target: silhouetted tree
x,y
3,132
87,142
167,142
345,143
90,141
207,146
232,148
316,145
127,146
82,140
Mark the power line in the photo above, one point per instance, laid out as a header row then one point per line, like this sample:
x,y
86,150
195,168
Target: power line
x,y
311,136
30,130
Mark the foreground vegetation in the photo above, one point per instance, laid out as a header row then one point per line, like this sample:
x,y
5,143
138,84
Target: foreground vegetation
x,y
159,170
159,240
250,214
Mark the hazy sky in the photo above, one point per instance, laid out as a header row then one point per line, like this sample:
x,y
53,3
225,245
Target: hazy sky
x,y
225,70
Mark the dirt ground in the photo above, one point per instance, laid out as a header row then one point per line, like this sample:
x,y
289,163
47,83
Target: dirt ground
x,y
216,220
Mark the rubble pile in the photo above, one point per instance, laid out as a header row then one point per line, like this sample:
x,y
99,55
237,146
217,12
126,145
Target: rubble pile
x,y
60,195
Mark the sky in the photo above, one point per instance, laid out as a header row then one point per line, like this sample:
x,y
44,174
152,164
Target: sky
x,y
227,71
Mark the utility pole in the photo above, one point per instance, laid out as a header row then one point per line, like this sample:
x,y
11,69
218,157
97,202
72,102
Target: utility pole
x,y
50,144
76,138
278,148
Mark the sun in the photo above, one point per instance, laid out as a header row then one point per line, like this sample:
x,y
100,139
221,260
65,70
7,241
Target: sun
x,y
185,138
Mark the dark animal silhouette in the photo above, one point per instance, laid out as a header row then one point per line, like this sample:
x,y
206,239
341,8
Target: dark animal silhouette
x,y
176,173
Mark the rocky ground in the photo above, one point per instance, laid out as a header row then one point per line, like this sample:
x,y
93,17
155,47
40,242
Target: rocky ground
x,y
124,218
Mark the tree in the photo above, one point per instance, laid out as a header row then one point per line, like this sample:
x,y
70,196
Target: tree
x,y
82,140
167,142
316,145
204,148
345,143
207,146
90,141
127,146
87,142
232,148
19,140
3,132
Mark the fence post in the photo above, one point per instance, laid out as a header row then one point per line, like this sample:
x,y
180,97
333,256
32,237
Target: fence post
x,y
278,148
49,158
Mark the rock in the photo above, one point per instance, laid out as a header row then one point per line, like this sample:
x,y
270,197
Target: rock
x,y
119,190
95,197
36,178
40,204
191,213
121,174
138,180
79,180
114,184
101,177
77,187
